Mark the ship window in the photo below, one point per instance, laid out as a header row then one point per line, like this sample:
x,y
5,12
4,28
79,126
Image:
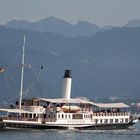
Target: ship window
x,y
106,121
116,120
126,120
58,115
34,115
77,116
101,121
111,120
62,116
69,116
26,115
65,115
30,115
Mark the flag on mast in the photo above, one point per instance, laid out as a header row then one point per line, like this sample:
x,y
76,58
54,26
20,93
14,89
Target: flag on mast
x,y
1,69
41,67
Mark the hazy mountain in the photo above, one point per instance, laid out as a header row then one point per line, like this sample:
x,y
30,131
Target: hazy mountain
x,y
106,64
133,23
55,25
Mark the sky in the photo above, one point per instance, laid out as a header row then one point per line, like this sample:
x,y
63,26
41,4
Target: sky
x,y
100,12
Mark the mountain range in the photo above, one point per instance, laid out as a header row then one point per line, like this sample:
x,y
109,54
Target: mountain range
x,y
104,64
59,26
55,25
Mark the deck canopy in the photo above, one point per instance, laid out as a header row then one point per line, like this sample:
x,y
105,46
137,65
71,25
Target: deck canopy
x,y
111,105
14,110
63,100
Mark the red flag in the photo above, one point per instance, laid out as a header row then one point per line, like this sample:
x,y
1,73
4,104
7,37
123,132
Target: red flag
x,y
1,69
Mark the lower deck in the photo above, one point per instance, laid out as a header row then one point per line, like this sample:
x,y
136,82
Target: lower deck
x,y
63,120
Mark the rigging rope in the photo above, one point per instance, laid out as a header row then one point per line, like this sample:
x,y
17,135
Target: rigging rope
x,y
35,79
8,77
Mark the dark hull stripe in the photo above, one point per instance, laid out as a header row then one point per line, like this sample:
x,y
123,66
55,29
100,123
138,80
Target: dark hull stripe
x,y
92,127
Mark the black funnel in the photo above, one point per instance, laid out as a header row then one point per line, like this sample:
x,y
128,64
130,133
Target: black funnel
x,y
67,74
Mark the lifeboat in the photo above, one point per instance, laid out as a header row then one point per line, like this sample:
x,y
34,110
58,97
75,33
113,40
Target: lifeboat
x,y
70,109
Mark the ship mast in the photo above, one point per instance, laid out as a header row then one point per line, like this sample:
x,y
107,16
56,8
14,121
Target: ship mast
x,y
22,73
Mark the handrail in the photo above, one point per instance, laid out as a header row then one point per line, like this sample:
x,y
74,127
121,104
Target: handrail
x,y
110,114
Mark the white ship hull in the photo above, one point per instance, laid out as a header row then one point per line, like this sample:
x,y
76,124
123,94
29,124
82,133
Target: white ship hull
x,y
35,125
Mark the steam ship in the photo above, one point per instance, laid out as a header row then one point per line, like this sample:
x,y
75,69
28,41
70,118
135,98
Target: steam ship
x,y
65,112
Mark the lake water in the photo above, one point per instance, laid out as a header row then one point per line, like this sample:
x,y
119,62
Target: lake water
x,y
32,134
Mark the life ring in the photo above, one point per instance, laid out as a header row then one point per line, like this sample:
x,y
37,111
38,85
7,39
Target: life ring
x,y
41,109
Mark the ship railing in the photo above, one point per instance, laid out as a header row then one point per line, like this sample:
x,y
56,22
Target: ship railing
x,y
19,118
3,117
110,114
